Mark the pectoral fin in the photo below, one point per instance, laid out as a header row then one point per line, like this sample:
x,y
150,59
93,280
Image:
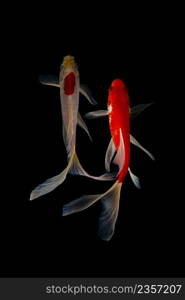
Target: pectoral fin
x,y
82,124
97,114
135,179
84,90
49,80
137,144
136,110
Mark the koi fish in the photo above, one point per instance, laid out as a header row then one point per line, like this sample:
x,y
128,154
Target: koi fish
x,y
118,151
69,84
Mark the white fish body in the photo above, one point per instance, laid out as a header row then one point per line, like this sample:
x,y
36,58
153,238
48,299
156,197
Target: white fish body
x,y
69,84
69,102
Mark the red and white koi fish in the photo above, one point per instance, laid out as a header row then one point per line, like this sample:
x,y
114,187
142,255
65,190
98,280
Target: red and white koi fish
x,y
70,88
119,123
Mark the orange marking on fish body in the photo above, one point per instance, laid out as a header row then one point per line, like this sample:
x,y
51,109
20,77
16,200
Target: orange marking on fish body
x,y
69,84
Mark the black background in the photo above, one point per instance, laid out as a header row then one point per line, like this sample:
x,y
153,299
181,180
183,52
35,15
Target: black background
x,y
36,240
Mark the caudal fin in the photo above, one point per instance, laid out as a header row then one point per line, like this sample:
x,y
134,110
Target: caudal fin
x,y
74,167
110,208
51,183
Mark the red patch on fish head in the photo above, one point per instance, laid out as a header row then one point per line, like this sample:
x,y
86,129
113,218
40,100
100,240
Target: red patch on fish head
x,y
69,84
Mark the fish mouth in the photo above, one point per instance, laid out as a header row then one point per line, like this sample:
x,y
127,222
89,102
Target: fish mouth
x,y
68,62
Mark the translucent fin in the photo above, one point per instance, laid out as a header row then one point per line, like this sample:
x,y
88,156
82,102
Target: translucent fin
x,y
82,124
137,144
48,186
49,80
97,114
120,155
84,90
77,169
51,183
80,204
136,110
135,179
109,155
110,207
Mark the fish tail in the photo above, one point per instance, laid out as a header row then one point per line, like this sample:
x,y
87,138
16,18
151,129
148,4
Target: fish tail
x,y
110,207
51,183
77,169
74,167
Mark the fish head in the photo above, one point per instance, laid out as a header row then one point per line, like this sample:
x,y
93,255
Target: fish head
x,y
68,65
118,92
118,84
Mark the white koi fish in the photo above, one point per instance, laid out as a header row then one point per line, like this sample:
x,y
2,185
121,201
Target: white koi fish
x,y
69,84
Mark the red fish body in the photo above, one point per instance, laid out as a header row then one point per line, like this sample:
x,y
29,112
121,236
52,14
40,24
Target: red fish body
x,y
119,118
119,123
